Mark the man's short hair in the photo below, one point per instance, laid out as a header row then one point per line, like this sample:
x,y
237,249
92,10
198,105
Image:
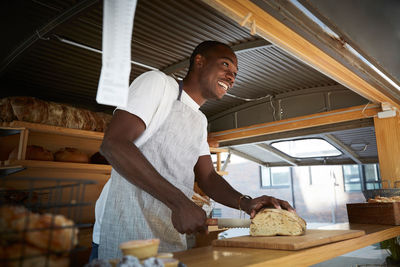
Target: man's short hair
x,y
203,48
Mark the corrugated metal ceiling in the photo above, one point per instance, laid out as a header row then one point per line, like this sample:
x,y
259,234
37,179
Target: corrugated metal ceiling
x,y
165,32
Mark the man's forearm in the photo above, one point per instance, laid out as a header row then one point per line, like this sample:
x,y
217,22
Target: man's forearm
x,y
219,190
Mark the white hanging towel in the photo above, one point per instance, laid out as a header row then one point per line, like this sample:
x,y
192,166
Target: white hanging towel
x,y
116,60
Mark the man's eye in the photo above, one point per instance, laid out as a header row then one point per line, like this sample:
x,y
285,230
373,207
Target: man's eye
x,y
225,64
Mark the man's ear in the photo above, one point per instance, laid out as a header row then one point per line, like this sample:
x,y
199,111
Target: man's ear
x,y
199,61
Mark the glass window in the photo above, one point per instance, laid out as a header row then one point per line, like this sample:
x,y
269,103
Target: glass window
x,y
307,148
275,177
265,177
371,173
352,178
372,180
216,213
280,176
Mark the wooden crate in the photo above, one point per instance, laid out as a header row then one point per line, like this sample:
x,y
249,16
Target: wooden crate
x,y
374,213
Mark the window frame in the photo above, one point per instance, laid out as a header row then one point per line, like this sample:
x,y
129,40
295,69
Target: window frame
x,y
363,181
271,186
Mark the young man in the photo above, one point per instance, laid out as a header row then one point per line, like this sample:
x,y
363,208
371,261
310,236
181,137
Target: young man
x,y
157,146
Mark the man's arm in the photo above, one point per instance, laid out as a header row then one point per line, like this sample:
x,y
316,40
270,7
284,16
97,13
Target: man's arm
x,y
120,151
218,189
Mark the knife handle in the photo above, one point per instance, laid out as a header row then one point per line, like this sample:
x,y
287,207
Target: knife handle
x,y
212,221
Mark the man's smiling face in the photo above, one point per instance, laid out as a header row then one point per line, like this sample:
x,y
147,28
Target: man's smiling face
x,y
218,72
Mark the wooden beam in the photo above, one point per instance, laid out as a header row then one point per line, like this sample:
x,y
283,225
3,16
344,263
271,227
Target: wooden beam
x,y
319,119
316,162
218,150
387,132
278,154
277,33
218,162
343,147
366,122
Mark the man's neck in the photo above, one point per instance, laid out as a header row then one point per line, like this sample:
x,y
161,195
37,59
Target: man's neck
x,y
192,88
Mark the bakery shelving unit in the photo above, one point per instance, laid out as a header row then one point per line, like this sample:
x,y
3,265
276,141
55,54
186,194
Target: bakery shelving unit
x,y
19,135
22,134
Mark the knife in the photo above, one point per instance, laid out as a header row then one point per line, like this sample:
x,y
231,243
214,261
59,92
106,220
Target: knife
x,y
228,222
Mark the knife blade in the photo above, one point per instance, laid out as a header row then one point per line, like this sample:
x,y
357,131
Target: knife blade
x,y
228,222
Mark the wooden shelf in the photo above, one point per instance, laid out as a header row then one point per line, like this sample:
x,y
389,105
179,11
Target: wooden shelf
x,y
81,167
218,150
37,127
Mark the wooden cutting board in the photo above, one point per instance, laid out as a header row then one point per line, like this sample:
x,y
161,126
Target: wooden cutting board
x,y
311,238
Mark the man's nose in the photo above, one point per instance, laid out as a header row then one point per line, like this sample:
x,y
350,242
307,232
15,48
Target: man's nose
x,y
231,77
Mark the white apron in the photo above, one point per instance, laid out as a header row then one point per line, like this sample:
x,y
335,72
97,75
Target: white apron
x,y
131,213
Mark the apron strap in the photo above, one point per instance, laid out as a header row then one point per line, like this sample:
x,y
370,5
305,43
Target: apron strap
x,y
180,90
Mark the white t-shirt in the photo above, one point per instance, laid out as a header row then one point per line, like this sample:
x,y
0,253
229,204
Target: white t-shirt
x,y
151,96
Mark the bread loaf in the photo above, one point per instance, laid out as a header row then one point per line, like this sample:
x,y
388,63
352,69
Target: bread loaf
x,y
70,154
31,109
271,222
33,153
379,199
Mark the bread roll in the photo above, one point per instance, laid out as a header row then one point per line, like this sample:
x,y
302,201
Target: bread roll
x,y
271,222
41,229
33,153
70,154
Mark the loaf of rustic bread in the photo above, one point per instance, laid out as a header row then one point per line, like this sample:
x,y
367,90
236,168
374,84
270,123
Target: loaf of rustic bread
x,y
31,109
271,222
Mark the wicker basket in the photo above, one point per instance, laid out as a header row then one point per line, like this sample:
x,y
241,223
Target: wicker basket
x,y
388,192
40,220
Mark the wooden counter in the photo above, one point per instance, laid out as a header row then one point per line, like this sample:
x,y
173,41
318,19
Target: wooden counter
x,y
224,256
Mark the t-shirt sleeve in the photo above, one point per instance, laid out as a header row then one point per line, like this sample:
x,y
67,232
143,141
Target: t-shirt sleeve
x,y
204,147
145,94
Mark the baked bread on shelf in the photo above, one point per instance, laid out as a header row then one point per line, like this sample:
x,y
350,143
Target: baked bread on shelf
x,y
31,109
33,152
271,222
379,199
70,154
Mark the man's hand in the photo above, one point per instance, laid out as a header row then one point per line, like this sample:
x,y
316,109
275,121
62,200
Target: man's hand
x,y
189,218
252,206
